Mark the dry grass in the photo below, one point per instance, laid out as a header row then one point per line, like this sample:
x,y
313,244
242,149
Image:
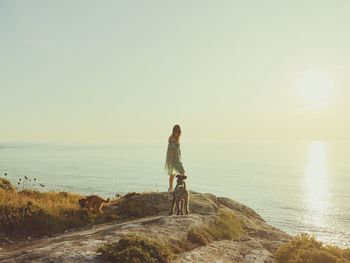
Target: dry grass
x,y
30,213
224,226
306,249
52,202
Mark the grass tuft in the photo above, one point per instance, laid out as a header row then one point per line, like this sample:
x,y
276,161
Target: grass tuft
x,y
224,226
306,249
136,249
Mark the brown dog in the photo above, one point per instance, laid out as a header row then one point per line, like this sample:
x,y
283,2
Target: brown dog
x,y
93,202
180,196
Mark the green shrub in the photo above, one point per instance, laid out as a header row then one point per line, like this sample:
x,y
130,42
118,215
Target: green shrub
x,y
306,249
224,226
136,249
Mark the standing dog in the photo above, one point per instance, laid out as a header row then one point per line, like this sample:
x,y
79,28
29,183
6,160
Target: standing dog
x,y
180,196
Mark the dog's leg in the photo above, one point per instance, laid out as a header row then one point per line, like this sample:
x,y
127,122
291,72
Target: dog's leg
x,y
178,207
182,207
172,207
186,205
96,209
100,208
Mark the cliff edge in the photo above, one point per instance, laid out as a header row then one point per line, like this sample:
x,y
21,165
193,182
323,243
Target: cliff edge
x,y
147,214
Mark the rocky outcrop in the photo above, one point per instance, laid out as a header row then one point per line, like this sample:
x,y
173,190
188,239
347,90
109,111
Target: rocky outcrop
x,y
147,214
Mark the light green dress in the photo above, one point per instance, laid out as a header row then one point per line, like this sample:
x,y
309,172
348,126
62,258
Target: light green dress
x,y
173,164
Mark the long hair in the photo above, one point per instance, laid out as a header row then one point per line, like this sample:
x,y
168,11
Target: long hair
x,y
177,129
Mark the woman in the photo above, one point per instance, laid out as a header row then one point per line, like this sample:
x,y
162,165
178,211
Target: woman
x,y
173,164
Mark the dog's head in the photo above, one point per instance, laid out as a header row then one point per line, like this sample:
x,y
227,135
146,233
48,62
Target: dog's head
x,y
180,178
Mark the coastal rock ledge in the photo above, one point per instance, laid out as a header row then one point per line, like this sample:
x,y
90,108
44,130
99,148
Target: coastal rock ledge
x,y
147,214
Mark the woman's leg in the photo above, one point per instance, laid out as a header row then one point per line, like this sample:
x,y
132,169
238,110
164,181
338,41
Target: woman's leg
x,y
171,182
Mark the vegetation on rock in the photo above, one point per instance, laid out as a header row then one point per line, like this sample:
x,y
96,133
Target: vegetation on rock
x,y
225,225
306,249
136,249
29,213
6,185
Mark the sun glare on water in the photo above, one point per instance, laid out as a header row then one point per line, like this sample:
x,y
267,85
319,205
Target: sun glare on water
x,y
315,89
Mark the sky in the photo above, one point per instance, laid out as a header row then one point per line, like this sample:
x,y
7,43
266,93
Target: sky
x,y
127,71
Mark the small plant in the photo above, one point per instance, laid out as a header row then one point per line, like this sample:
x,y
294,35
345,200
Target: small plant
x,y
27,183
306,249
23,183
224,226
136,249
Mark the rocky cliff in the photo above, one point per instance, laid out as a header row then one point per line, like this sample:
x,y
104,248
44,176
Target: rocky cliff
x,y
147,214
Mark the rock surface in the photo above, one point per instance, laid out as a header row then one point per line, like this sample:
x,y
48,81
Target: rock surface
x,y
260,241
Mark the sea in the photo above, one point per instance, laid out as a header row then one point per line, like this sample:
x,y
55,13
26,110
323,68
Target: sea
x,y
297,186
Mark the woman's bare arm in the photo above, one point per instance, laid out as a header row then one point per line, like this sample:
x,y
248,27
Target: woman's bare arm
x,y
172,139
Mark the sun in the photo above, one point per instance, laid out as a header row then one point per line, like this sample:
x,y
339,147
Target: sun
x,y
315,89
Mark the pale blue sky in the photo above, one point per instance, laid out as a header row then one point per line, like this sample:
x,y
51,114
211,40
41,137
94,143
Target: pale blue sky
x,y
109,71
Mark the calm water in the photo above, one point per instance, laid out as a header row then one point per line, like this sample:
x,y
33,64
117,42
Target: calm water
x,y
296,186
